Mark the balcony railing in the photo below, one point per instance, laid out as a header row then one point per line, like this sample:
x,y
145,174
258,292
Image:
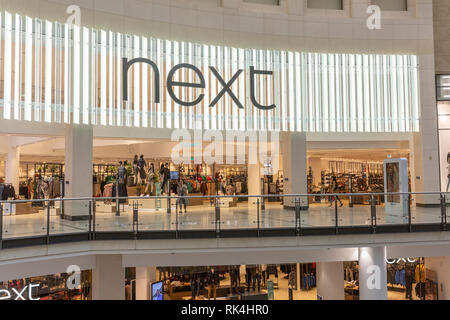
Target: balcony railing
x,y
49,221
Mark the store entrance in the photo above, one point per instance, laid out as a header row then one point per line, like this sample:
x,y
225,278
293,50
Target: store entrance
x,y
349,171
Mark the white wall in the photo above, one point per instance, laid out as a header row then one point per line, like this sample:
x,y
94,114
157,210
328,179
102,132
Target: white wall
x,y
441,265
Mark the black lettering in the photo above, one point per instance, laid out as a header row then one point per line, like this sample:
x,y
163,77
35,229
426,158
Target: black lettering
x,y
126,66
254,72
226,88
171,84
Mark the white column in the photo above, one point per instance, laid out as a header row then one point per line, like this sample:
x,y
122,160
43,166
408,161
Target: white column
x,y
440,265
144,278
108,278
330,280
372,273
293,148
78,170
12,167
254,180
424,144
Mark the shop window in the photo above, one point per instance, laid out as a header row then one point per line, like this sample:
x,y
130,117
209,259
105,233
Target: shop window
x,y
325,4
443,88
269,2
391,5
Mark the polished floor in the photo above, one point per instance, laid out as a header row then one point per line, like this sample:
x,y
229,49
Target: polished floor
x,y
202,217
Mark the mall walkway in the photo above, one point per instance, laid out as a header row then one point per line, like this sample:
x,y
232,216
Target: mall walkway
x,y
203,217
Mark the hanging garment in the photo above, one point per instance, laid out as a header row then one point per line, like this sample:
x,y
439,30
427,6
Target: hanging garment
x,y
420,275
108,190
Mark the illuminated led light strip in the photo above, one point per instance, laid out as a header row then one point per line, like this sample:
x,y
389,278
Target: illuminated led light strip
x,y
352,94
298,90
414,93
66,75
291,96
325,115
168,103
339,106
234,108
262,90
346,98
85,75
206,101
17,67
304,90
332,92
145,84
214,86
226,100
313,92
119,121
394,94
111,78
76,74
137,81
359,94
48,71
37,33
177,77
103,78
28,67
7,66
160,62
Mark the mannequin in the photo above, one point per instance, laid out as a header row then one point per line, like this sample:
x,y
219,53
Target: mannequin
x,y
121,172
135,168
141,168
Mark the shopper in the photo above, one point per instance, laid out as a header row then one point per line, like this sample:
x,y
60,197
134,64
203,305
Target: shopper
x,y
334,189
182,192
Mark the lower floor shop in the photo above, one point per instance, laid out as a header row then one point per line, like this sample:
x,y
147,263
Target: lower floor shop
x,y
406,279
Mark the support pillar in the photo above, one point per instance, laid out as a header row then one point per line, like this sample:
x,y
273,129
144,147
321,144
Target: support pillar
x,y
108,278
12,167
293,146
372,273
144,278
330,280
78,170
254,180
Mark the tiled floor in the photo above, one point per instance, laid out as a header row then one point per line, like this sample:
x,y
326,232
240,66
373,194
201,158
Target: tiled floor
x,y
203,217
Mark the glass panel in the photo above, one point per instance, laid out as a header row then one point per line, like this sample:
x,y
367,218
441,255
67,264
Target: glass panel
x,y
321,212
22,220
391,5
153,214
325,4
107,219
356,210
239,212
68,217
425,209
275,214
198,214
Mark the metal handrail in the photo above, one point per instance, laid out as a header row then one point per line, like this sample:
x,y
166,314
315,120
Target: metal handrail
x,y
225,196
